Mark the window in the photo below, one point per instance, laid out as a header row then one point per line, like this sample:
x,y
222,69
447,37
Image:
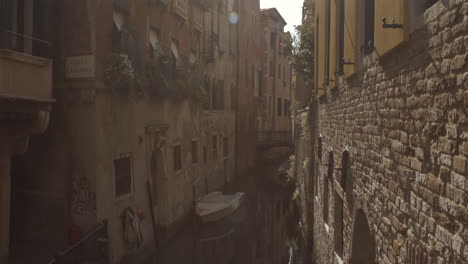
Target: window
x,y
260,83
341,36
367,39
269,105
177,151
218,95
279,71
327,42
215,147
286,107
319,148
120,20
253,78
154,37
205,156
123,175
194,151
278,209
225,147
272,40
344,169
272,69
338,225
284,75
328,178
279,107
176,59
325,200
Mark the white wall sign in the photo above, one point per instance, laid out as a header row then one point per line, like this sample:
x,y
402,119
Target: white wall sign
x,y
80,67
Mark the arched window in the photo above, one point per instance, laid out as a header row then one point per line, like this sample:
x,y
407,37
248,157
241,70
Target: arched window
x,y
344,169
319,157
326,187
319,148
338,225
325,200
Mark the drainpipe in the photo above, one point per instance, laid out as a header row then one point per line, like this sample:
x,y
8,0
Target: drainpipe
x,y
236,111
5,188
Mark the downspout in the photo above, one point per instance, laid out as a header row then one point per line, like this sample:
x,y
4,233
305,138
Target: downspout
x,y
275,65
236,112
327,44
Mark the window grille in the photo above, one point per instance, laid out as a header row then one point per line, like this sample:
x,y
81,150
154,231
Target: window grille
x,y
194,151
177,152
123,176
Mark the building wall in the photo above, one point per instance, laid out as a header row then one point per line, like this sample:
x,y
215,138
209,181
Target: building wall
x,y
402,118
249,49
97,124
276,74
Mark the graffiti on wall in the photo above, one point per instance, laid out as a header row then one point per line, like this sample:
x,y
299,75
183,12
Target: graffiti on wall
x,y
84,200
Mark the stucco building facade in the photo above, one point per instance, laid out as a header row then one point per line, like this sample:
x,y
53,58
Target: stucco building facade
x,y
25,103
386,140
275,90
248,69
144,123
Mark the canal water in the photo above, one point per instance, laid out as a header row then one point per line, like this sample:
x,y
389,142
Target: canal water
x,y
260,231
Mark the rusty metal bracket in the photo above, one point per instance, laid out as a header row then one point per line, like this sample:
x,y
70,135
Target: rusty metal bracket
x,y
393,25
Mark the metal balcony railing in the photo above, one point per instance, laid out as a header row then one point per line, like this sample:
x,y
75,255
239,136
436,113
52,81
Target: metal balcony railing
x,y
25,44
93,247
276,138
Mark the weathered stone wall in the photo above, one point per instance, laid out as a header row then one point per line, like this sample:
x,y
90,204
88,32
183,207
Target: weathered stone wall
x,y
404,120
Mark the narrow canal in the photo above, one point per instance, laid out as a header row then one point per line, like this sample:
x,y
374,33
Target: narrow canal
x,y
260,230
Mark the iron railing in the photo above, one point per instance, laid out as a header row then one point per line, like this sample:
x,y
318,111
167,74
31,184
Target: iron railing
x,y
92,247
25,44
274,137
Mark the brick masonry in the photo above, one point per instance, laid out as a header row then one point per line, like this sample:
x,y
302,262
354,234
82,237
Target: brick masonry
x,y
404,120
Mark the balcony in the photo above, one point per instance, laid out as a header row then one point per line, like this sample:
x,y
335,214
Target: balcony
x,y
206,4
25,72
274,138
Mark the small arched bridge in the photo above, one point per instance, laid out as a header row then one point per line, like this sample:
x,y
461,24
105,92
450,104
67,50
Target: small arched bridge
x,y
274,138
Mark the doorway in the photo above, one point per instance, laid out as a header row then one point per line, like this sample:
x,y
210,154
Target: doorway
x,y
363,251
39,217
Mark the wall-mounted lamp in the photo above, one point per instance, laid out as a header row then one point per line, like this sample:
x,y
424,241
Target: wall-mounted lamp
x,y
393,25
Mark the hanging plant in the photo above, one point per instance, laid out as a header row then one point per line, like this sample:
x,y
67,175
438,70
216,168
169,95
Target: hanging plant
x,y
119,73
186,83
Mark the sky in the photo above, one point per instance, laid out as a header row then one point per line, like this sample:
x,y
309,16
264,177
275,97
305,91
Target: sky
x,y
291,10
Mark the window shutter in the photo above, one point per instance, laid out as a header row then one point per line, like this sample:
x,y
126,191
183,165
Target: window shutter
x,y
351,43
333,44
387,39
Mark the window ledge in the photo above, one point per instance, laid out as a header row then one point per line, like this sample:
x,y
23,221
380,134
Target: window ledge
x,y
23,57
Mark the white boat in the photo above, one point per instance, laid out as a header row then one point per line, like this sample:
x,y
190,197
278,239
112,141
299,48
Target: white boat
x,y
216,206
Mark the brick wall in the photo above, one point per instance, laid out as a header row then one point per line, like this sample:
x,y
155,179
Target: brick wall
x,y
404,120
